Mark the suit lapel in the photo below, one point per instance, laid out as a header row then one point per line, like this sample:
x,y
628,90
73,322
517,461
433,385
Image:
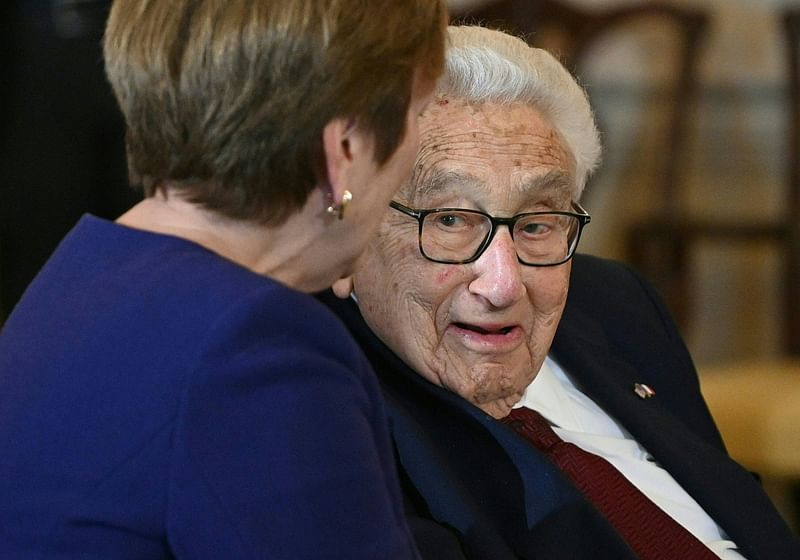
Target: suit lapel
x,y
715,481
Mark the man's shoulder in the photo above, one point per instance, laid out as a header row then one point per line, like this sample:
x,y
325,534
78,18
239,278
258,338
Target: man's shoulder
x,y
590,268
596,280
616,298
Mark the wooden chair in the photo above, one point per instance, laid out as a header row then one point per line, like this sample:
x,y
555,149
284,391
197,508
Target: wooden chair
x,y
662,247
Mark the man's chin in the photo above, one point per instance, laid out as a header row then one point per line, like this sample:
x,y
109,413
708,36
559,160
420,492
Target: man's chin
x,y
498,400
498,408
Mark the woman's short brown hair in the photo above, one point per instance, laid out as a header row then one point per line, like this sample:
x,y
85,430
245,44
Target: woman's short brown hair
x,y
227,99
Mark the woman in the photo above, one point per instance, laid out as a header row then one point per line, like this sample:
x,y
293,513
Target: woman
x,y
167,389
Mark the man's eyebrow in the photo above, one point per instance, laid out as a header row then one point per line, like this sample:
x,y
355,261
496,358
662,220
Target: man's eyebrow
x,y
554,180
438,181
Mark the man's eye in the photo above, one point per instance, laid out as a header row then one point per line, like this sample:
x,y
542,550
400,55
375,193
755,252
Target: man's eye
x,y
533,229
450,221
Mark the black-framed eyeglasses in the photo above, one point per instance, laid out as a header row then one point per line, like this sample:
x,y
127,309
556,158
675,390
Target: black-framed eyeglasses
x,y
460,236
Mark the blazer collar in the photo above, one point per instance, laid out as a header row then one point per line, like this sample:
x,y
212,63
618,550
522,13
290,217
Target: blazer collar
x,y
718,483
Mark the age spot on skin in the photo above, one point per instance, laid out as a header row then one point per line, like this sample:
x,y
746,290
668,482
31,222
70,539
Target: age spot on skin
x,y
444,276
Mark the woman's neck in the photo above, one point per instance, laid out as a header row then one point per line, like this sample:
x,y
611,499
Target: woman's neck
x,y
279,252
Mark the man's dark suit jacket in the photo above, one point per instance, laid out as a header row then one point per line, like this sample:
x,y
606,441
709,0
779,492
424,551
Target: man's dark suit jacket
x,y
474,489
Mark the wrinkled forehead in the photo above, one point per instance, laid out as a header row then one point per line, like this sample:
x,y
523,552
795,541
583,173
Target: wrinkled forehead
x,y
552,188
507,154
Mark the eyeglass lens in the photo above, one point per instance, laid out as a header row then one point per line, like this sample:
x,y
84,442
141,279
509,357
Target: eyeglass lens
x,y
454,236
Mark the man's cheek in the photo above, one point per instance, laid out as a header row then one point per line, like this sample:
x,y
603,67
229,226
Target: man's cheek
x,y
444,276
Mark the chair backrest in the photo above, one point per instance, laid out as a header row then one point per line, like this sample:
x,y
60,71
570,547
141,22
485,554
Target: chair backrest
x,y
662,249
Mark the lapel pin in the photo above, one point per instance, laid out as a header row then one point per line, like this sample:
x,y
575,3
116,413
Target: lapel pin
x,y
643,391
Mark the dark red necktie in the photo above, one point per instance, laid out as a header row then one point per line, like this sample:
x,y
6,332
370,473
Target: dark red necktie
x,y
648,530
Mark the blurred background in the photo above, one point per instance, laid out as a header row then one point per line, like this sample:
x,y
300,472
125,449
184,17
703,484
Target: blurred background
x,y
699,187
62,147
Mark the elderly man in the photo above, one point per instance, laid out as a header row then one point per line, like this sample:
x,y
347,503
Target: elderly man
x,y
462,305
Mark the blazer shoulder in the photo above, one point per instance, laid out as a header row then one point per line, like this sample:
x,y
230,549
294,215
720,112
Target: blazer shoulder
x,y
613,292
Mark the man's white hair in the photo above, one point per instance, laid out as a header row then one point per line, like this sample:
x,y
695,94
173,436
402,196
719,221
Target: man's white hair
x,y
487,65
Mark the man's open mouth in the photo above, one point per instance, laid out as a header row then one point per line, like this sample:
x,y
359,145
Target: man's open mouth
x,y
481,330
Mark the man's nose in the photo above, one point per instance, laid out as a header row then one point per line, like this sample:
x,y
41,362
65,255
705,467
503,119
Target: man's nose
x,y
498,276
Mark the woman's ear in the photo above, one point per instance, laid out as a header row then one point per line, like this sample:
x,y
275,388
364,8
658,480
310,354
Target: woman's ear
x,y
343,287
341,145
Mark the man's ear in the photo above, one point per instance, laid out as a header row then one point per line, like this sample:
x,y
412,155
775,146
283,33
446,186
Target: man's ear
x,y
343,287
341,146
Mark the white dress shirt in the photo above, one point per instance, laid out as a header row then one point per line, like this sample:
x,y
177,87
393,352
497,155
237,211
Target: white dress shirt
x,y
578,419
